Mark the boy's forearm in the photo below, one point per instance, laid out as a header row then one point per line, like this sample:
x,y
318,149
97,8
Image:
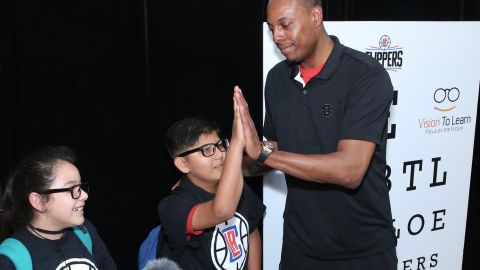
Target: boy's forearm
x,y
230,187
231,183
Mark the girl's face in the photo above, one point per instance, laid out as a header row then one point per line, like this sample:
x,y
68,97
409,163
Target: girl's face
x,y
62,210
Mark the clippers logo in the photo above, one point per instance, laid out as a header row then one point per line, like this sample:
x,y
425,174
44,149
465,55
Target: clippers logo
x,y
446,98
389,56
229,247
327,110
77,264
384,42
230,235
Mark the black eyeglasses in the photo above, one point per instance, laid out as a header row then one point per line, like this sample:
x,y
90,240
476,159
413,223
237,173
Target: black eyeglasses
x,y
75,190
208,149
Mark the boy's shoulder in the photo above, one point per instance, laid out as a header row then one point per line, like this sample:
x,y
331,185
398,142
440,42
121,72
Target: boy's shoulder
x,y
186,189
184,195
177,195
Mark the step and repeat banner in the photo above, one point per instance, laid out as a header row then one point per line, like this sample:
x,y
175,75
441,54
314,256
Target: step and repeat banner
x,y
435,71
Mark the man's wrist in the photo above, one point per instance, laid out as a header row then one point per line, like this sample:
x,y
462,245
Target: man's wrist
x,y
266,150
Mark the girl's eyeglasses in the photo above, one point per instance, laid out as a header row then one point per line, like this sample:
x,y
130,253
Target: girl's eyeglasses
x,y
75,190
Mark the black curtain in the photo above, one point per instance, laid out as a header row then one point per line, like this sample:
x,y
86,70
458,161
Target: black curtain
x,y
108,77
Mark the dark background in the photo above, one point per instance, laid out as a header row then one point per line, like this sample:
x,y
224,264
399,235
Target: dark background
x,y
108,77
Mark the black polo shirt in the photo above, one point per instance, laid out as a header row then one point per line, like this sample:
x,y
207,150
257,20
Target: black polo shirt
x,y
224,246
348,99
65,253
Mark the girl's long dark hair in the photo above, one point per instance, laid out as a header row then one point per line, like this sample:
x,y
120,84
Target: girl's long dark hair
x,y
34,173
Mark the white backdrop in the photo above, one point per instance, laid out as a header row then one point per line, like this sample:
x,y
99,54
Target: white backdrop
x,y
435,71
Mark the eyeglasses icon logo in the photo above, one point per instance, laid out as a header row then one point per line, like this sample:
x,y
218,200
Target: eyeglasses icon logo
x,y
445,98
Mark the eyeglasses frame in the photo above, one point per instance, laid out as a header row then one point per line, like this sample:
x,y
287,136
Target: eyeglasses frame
x,y
225,143
83,187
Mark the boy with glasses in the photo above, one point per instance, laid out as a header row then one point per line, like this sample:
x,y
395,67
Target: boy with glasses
x,y
210,220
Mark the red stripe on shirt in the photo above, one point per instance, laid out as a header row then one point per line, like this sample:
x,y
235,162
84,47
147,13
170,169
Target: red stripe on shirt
x,y
190,230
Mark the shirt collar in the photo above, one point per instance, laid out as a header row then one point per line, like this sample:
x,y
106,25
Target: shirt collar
x,y
330,66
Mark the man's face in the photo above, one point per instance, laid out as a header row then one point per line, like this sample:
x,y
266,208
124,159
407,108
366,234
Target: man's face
x,y
292,29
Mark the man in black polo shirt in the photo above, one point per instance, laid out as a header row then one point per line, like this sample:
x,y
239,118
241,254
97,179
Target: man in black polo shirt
x,y
326,123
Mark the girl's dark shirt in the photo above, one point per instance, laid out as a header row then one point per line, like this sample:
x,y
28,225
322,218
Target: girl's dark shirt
x,y
67,251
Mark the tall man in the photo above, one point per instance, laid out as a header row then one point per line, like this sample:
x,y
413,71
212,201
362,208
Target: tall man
x,y
326,124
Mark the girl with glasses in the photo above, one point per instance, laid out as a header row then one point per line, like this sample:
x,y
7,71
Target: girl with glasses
x,y
43,208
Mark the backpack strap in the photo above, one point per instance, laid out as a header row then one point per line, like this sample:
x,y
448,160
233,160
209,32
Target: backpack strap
x,y
20,257
82,233
149,248
17,253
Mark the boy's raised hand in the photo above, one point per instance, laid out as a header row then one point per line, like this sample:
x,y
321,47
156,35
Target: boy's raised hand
x,y
237,127
253,145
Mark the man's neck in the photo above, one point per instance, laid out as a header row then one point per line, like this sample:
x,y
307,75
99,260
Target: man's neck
x,y
323,49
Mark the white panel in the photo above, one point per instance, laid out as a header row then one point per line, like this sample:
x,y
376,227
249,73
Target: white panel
x,y
421,58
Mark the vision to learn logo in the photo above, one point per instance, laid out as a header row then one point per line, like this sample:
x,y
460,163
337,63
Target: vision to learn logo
x,y
391,57
445,100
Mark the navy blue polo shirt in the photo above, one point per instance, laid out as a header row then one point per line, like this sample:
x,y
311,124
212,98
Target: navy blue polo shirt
x,y
348,99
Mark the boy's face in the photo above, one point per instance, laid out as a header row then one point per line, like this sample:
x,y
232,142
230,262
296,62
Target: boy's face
x,y
201,169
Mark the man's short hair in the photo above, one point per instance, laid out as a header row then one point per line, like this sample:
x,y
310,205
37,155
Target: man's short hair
x,y
309,4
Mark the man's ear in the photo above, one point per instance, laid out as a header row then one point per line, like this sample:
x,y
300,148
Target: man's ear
x,y
182,164
317,15
37,201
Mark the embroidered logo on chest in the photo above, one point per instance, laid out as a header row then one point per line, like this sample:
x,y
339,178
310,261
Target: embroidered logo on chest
x,y
327,110
229,247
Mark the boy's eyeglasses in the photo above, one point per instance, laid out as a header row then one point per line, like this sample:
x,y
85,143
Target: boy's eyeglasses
x,y
75,190
208,149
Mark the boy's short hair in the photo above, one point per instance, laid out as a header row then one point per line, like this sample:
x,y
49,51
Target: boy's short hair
x,y
185,133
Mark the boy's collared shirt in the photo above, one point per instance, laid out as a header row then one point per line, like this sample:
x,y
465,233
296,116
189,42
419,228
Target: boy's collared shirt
x,y
224,246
